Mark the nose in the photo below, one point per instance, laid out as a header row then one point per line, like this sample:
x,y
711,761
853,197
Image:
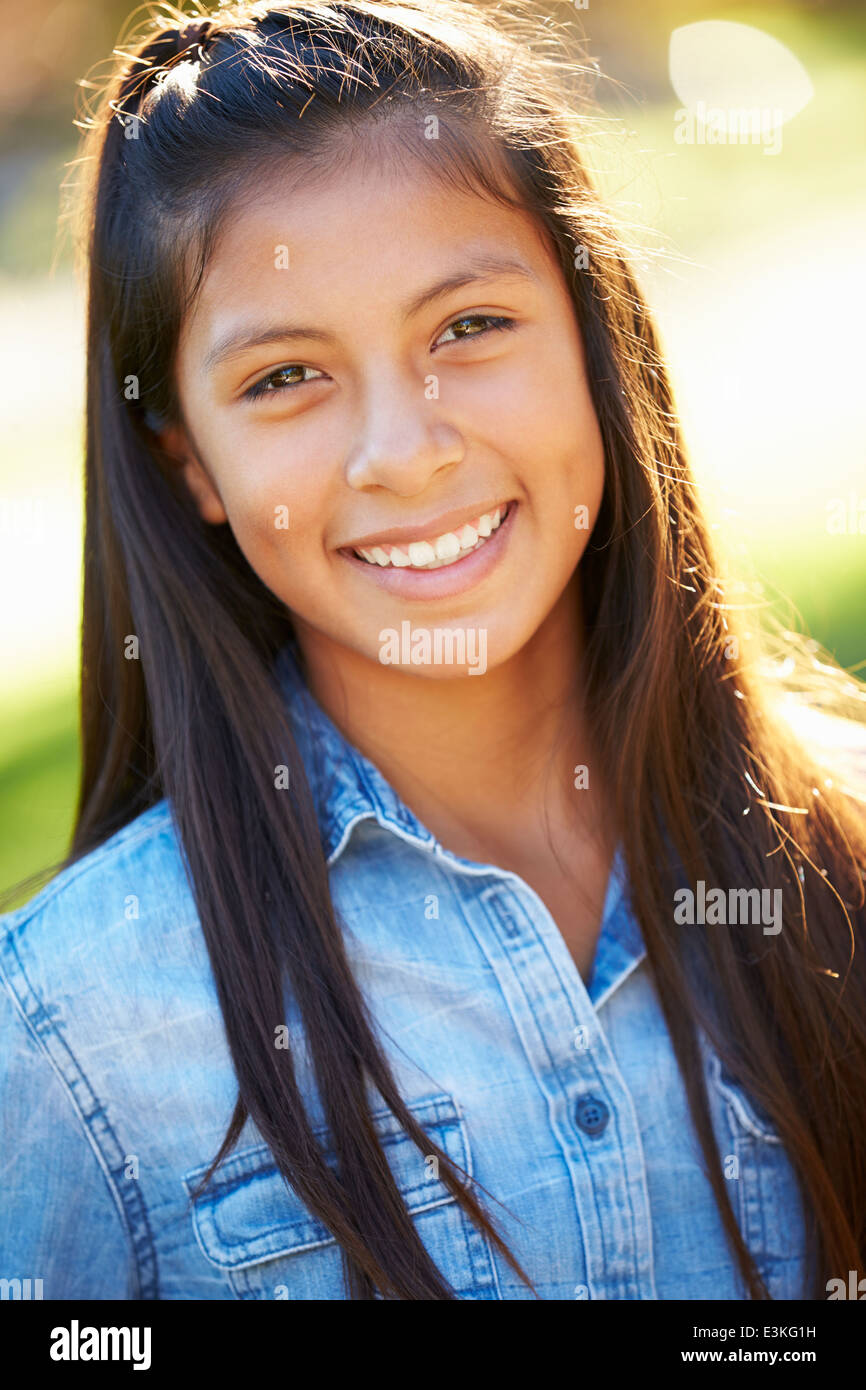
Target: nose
x,y
403,440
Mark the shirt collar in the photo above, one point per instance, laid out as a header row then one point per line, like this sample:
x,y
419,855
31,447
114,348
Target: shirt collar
x,y
348,788
620,947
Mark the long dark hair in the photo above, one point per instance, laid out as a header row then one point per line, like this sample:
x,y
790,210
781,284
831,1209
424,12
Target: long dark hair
x,y
685,725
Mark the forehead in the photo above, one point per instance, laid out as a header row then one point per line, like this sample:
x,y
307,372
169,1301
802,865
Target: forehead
x,y
362,231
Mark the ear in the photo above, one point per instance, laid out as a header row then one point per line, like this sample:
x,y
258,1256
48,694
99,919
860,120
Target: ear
x,y
175,441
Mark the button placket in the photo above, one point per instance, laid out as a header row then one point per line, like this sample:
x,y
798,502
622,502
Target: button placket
x,y
575,1067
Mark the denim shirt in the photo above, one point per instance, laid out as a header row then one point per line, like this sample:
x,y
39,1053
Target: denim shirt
x,y
563,1099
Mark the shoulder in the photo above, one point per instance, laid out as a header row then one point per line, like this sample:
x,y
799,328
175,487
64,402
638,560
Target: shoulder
x,y
138,840
95,926
90,970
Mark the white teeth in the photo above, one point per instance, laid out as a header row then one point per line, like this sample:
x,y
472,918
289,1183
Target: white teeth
x,y
444,550
421,553
448,546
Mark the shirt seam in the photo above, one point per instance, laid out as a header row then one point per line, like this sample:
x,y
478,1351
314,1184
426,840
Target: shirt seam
x,y
130,1208
20,916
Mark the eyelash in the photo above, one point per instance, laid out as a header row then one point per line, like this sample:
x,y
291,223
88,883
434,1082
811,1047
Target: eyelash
x,y
495,323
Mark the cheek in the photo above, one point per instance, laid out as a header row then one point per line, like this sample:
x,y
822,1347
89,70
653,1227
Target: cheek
x,y
276,514
560,439
546,416
589,464
578,436
584,482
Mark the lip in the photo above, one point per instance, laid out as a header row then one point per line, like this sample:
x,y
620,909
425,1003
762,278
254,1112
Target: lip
x,y
426,531
450,579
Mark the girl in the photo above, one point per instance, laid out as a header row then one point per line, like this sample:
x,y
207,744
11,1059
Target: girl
x,y
451,912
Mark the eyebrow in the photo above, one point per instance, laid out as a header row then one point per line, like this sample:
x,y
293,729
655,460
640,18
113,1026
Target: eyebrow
x,y
481,268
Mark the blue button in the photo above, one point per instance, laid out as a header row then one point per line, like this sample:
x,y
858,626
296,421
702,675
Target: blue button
x,y
592,1115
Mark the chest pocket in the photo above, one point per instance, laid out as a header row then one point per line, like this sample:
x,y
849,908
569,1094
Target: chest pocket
x,y
251,1224
764,1188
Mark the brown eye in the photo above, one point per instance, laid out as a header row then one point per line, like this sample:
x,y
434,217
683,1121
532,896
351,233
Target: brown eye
x,y
465,326
282,379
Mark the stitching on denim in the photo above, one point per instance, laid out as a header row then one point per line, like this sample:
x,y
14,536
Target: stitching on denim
x,y
128,1200
319,1238
491,899
125,838
308,1233
260,1154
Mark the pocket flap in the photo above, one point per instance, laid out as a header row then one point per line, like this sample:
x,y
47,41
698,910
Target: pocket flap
x,y
751,1118
249,1213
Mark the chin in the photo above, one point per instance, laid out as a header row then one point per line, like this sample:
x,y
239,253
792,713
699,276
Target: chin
x,y
447,650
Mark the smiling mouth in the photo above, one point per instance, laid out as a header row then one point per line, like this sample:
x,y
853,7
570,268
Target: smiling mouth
x,y
443,550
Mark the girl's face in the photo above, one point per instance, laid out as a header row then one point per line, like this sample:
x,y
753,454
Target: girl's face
x,y
382,364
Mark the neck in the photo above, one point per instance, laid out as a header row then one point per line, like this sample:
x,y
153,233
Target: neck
x,y
483,761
